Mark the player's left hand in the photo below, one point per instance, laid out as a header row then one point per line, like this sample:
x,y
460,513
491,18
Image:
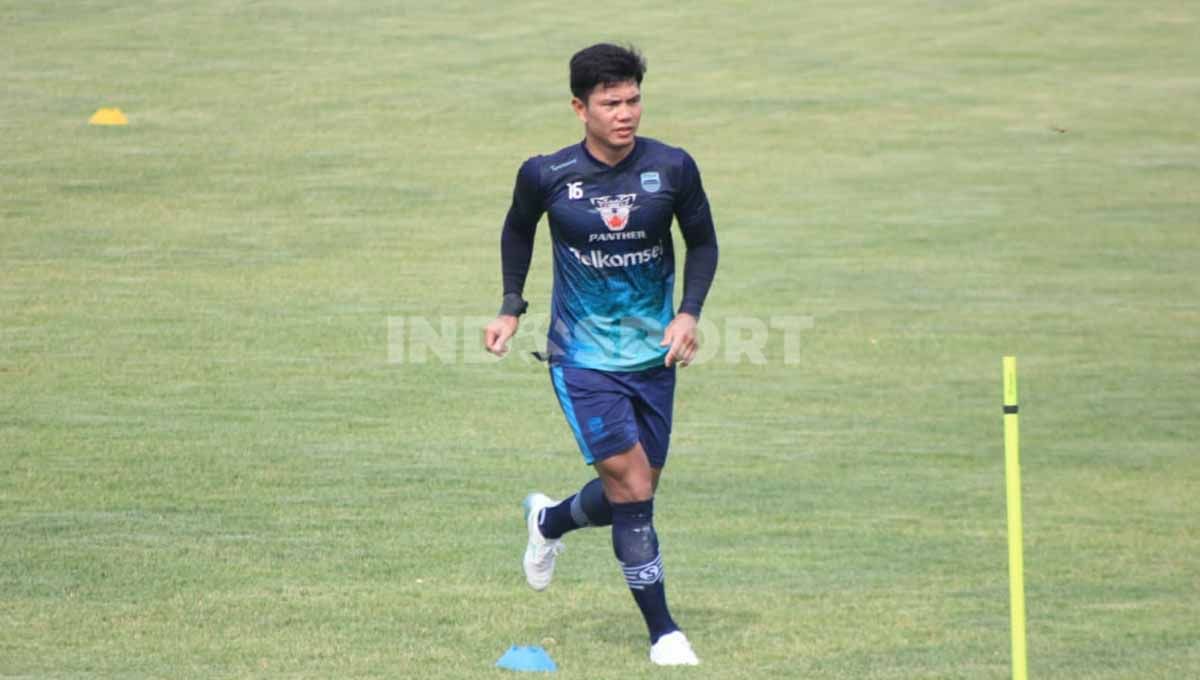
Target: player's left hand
x,y
680,336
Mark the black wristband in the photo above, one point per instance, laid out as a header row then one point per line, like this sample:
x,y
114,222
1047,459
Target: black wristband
x,y
513,305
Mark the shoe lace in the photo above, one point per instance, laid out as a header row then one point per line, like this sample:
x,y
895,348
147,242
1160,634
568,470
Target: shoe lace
x,y
550,549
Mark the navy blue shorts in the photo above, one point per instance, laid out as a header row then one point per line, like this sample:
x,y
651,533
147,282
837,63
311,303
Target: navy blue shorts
x,y
610,411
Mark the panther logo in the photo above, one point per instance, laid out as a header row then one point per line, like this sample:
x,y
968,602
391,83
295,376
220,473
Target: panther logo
x,y
614,210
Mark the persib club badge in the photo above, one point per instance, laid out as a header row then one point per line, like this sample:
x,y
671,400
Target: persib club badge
x,y
651,181
614,210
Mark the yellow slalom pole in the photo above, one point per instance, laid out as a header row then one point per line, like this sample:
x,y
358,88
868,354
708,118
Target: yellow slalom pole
x,y
1016,559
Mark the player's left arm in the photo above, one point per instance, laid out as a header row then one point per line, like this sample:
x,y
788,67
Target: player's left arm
x,y
699,265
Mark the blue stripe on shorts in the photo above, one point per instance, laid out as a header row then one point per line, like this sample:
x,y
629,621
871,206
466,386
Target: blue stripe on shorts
x,y
564,400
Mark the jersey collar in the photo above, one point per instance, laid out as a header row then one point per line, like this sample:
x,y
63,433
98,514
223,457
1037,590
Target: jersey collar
x,y
637,150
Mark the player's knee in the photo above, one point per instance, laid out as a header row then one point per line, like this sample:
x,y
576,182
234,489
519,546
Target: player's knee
x,y
627,476
639,489
629,491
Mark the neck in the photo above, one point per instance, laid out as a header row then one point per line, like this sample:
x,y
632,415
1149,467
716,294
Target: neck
x,y
608,155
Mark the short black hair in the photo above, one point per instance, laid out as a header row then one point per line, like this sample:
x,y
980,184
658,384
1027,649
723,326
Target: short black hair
x,y
604,64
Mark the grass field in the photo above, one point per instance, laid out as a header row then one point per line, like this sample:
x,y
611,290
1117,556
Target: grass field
x,y
210,468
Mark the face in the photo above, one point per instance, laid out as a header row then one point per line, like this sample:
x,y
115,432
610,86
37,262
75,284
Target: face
x,y
611,114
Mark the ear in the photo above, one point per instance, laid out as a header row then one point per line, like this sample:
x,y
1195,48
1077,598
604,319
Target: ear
x,y
580,108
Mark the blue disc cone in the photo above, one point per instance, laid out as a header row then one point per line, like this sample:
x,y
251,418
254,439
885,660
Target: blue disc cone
x,y
531,658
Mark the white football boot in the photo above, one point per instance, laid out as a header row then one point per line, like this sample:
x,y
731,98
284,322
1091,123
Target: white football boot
x,y
540,552
673,649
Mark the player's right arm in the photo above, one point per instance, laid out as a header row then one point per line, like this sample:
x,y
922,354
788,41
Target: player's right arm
x,y
516,252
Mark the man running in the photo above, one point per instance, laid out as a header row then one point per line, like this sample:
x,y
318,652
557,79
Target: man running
x,y
614,339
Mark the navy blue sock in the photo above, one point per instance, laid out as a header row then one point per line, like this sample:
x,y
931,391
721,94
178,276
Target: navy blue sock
x,y
636,546
588,508
593,505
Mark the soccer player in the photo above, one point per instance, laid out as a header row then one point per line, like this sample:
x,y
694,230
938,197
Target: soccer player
x,y
614,340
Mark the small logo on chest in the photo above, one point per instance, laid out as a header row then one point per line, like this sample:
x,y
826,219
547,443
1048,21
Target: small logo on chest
x,y
651,181
614,210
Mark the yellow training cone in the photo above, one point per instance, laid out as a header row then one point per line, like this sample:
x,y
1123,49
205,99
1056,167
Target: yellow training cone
x,y
108,117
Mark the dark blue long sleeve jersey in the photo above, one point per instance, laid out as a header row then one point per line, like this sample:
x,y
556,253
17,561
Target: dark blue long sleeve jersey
x,y
614,260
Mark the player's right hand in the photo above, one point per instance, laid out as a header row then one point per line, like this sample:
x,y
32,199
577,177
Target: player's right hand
x,y
499,332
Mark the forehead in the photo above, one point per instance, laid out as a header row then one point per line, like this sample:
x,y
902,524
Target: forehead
x,y
619,91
